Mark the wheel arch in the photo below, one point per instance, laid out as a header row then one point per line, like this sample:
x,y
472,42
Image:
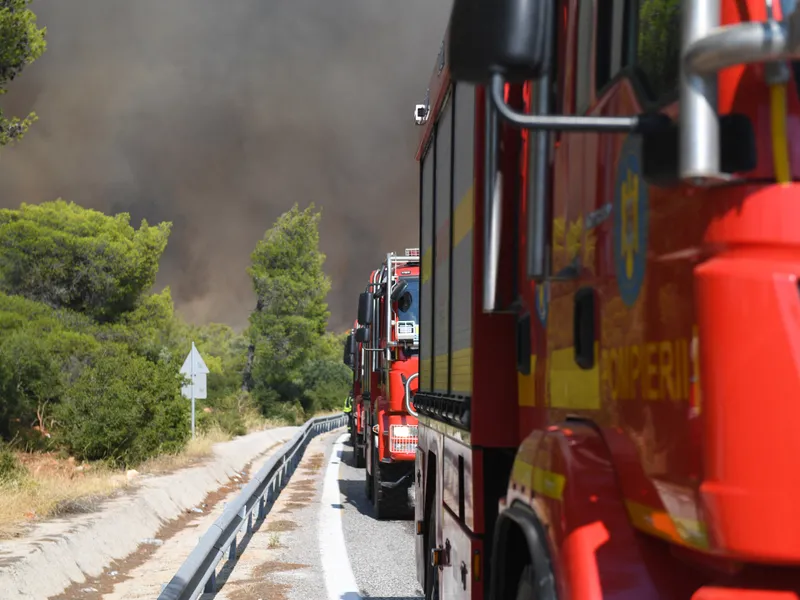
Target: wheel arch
x,y
519,527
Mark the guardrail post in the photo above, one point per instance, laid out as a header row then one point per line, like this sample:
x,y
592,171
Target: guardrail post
x,y
249,517
232,549
211,584
262,509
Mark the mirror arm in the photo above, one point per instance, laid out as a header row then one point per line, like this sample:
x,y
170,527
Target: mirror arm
x,y
538,247
410,410
638,123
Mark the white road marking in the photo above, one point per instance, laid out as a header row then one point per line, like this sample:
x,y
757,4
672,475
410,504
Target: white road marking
x,y
339,578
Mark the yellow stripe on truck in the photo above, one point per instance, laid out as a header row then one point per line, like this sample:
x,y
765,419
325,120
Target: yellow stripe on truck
x,y
463,221
463,217
687,532
425,373
461,371
427,265
543,482
571,386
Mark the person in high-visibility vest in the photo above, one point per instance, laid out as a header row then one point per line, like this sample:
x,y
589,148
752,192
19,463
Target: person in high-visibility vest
x,y
348,410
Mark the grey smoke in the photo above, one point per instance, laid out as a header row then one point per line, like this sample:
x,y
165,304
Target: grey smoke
x,y
218,116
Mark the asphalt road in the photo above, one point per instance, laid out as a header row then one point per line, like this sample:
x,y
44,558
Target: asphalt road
x,y
320,540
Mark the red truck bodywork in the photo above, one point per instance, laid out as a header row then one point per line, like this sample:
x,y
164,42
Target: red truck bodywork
x,y
667,466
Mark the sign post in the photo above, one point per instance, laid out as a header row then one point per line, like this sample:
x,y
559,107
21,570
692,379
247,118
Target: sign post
x,y
196,370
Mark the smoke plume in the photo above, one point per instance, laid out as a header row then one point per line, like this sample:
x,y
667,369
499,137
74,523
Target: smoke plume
x,y
218,116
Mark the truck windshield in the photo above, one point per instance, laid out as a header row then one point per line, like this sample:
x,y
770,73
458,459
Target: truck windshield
x,y
410,302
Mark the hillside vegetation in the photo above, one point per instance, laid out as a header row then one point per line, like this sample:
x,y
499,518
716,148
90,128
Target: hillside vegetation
x,y
90,356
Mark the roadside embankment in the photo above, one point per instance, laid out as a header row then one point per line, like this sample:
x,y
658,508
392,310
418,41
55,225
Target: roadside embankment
x,y
56,553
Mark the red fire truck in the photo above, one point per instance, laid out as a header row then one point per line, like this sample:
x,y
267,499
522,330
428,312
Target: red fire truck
x,y
610,318
389,331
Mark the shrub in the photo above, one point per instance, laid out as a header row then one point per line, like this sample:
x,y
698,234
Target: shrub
x,y
11,470
123,409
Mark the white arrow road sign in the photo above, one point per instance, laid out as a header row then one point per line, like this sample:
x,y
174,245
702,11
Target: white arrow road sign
x,y
196,370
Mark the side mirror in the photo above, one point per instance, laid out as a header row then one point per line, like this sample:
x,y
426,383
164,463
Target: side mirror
x,y
365,309
512,38
348,354
353,344
362,335
399,290
405,302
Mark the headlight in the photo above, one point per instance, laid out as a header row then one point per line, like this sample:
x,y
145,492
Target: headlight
x,y
401,431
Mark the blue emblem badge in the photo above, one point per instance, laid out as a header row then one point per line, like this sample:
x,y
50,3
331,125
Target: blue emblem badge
x,y
631,205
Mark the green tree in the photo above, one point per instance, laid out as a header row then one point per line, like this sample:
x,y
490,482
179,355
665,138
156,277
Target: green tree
x,y
39,358
21,43
326,380
291,313
71,257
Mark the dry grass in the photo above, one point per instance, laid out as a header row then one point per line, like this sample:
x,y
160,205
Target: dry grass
x,y
48,491
51,486
327,413
194,452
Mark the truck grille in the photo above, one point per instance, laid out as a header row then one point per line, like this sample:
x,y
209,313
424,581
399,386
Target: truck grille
x,y
403,439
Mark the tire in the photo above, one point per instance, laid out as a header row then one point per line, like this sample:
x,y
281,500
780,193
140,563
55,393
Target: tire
x,y
369,485
387,503
525,587
378,495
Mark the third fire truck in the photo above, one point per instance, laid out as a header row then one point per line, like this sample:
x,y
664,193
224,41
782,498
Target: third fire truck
x,y
388,315
609,389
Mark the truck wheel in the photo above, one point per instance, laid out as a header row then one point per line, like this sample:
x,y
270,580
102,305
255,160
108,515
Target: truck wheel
x,y
378,495
369,486
388,503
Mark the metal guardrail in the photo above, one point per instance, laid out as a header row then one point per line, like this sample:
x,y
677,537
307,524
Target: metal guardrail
x,y
198,573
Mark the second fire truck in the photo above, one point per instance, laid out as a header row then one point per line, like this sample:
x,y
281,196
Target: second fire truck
x,y
388,318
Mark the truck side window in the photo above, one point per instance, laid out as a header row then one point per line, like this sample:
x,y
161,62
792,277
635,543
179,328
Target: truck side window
x,y
583,70
600,38
656,30
604,50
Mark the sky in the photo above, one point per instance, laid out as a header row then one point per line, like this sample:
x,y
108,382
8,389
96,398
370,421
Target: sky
x,y
220,115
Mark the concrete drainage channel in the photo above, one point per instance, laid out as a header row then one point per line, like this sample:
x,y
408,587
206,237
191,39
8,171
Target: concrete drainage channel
x,y
198,573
